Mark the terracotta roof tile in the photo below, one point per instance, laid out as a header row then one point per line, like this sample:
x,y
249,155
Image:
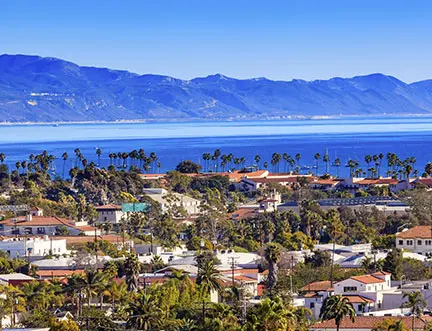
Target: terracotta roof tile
x,y
58,273
368,279
109,207
420,231
358,299
324,285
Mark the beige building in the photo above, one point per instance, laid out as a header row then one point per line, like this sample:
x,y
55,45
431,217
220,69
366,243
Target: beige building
x,y
174,200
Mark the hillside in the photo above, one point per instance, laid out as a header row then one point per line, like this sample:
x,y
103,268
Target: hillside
x,y
40,89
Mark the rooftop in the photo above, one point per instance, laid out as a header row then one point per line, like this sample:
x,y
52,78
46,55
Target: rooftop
x,y
368,279
420,231
369,322
322,286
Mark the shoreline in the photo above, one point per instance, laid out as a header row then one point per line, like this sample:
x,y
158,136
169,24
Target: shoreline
x,y
198,120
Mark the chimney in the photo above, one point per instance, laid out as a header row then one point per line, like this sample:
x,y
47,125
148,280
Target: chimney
x,y
29,217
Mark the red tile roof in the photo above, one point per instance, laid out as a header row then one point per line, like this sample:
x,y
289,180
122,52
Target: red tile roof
x,y
58,273
358,299
377,181
242,213
38,221
369,322
109,207
368,279
324,285
420,231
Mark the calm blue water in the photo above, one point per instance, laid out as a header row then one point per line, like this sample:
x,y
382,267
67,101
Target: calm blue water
x,y
173,142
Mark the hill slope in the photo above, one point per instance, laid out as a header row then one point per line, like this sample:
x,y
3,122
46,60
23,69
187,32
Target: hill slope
x,y
40,89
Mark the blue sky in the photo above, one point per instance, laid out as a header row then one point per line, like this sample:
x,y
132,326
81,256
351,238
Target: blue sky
x,y
276,39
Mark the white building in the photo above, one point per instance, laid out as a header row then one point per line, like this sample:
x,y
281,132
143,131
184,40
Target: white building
x,y
33,247
417,239
36,224
109,214
371,286
173,200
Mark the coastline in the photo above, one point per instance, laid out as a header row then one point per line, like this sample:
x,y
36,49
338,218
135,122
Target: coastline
x,y
197,120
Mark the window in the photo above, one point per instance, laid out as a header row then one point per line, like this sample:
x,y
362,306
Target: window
x,y
312,305
41,230
350,288
419,242
410,242
360,308
428,242
400,242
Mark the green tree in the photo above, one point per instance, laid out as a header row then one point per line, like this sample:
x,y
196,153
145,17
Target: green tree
x,y
270,315
188,167
393,263
416,303
132,268
337,307
272,255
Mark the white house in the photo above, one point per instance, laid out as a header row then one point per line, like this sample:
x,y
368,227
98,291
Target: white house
x,y
417,239
170,200
370,286
36,224
109,214
33,247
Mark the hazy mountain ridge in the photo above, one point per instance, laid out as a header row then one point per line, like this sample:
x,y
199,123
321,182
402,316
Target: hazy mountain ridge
x,y
40,89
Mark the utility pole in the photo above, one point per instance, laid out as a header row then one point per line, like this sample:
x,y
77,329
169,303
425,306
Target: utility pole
x,y
233,266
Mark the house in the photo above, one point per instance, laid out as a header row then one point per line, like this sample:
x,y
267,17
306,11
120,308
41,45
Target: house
x,y
314,295
110,214
15,279
36,223
367,323
328,184
33,247
174,200
371,286
417,239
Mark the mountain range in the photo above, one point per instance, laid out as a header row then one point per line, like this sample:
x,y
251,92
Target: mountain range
x,y
41,89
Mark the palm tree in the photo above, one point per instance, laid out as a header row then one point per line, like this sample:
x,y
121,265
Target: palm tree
x,y
98,153
337,164
265,164
93,282
257,159
337,307
326,159
132,268
272,255
298,158
317,157
271,315
416,303
216,155
2,157
209,277
145,313
396,326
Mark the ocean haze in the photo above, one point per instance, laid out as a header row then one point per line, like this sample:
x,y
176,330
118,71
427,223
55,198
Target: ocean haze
x,y
36,89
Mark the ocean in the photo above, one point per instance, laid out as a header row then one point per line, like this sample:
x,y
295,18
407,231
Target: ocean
x,y
346,138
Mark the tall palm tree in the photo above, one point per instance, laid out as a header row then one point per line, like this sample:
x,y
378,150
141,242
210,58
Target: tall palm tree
x,y
298,158
209,277
326,159
216,155
2,157
272,254
145,313
337,307
416,303
257,159
98,153
132,269
93,282
271,315
337,164
317,157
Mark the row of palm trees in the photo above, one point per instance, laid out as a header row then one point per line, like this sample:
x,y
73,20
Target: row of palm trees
x,y
396,167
